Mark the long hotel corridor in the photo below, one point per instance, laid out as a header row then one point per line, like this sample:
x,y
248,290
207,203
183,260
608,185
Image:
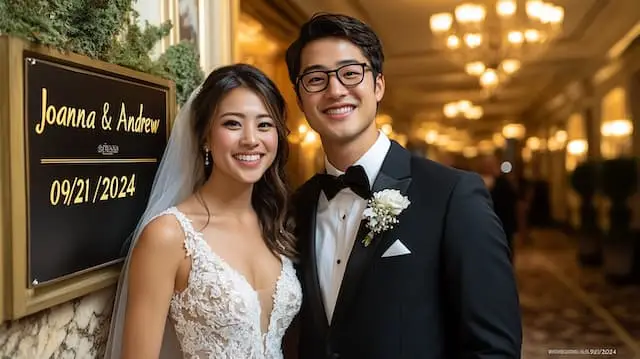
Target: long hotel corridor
x,y
567,308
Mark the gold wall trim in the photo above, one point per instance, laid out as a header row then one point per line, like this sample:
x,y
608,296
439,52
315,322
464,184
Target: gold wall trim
x,y
16,298
5,221
94,161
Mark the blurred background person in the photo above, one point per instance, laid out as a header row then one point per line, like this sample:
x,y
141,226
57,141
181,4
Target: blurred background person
x,y
503,193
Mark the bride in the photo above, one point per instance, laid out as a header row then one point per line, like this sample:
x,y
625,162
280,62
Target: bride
x,y
210,274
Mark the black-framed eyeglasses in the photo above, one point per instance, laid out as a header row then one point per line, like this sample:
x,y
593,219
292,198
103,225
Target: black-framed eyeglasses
x,y
349,75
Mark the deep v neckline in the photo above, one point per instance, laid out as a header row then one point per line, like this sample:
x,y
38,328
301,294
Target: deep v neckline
x,y
228,267
236,272
200,237
218,313
256,293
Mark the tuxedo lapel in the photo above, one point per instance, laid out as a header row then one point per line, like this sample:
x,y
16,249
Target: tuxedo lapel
x,y
395,173
308,229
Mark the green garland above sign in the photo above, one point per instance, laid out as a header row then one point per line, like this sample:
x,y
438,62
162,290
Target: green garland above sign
x,y
106,30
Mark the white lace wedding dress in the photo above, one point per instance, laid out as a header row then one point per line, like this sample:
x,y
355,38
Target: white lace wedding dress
x,y
218,315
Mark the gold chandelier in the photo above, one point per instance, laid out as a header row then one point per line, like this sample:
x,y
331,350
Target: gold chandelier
x,y
492,44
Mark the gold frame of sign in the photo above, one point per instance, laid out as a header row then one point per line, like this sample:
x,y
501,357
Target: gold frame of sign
x,y
18,298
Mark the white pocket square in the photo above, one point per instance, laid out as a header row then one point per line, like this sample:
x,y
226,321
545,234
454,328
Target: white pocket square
x,y
396,249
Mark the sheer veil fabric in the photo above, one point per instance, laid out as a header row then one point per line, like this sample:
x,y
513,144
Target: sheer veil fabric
x,y
180,170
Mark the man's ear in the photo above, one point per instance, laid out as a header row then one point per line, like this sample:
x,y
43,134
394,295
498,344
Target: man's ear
x,y
379,87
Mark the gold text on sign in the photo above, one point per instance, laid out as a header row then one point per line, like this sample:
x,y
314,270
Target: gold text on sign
x,y
139,124
76,190
71,117
64,116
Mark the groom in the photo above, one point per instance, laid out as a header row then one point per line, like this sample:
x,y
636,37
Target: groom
x,y
439,284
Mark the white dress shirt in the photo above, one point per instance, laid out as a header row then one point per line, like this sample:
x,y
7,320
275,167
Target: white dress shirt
x,y
337,223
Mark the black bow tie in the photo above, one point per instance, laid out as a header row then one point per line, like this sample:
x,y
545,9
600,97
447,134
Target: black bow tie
x,y
355,178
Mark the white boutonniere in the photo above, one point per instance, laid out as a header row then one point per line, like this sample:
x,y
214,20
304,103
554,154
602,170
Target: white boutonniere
x,y
382,212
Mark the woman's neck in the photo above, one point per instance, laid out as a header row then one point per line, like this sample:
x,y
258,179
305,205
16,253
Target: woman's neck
x,y
227,195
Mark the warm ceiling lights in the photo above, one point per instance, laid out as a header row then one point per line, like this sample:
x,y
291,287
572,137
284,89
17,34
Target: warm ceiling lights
x,y
514,131
482,45
462,108
617,128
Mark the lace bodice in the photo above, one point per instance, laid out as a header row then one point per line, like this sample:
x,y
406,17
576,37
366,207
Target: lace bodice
x,y
218,314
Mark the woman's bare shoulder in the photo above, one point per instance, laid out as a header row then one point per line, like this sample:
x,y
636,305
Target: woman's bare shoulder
x,y
162,235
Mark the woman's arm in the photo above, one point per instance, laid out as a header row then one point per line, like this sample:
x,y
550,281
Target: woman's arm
x,y
152,276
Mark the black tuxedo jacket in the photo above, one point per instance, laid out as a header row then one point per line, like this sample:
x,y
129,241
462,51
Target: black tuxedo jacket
x,y
453,297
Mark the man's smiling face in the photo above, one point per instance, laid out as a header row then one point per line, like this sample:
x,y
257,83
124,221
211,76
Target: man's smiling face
x,y
339,113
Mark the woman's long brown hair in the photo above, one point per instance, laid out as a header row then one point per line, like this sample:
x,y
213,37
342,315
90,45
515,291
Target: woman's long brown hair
x,y
271,193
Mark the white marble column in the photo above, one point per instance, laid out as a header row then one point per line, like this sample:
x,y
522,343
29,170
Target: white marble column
x,y
218,20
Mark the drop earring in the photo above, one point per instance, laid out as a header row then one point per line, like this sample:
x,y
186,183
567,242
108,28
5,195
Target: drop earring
x,y
206,156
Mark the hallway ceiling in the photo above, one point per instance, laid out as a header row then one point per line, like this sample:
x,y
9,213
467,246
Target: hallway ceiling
x,y
421,78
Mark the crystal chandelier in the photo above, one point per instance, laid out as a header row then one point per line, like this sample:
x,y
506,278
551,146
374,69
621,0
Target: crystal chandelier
x,y
492,44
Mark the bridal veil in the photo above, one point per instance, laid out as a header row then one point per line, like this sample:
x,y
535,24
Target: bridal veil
x,y
179,172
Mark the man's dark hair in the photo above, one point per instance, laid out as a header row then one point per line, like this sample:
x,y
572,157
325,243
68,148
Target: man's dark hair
x,y
324,25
